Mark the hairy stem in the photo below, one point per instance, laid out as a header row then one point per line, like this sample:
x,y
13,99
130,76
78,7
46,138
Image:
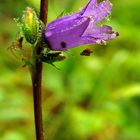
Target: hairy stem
x,y
37,78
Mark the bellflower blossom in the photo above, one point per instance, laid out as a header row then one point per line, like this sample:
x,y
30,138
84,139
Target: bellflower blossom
x,y
80,28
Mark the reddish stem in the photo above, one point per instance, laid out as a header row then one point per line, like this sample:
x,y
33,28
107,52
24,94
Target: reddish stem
x,y
37,79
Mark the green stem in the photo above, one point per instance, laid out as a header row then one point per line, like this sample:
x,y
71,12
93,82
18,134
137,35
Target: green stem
x,y
37,78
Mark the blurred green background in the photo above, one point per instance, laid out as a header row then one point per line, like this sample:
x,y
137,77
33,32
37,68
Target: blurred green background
x,y
90,98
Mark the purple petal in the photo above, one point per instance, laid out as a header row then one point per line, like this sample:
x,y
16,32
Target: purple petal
x,y
89,7
80,28
100,11
68,36
99,32
61,21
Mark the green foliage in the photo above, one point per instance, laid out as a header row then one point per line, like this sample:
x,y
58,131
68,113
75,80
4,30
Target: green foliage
x,y
89,98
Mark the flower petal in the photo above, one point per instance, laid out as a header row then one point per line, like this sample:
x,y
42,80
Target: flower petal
x,y
80,28
64,19
89,7
68,36
100,32
61,21
99,11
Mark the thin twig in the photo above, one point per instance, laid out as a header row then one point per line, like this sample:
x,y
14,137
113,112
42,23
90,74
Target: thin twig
x,y
37,78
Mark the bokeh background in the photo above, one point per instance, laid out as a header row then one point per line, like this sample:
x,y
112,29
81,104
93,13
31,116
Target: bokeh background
x,y
89,98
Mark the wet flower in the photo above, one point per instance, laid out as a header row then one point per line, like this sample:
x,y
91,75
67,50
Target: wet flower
x,y
80,28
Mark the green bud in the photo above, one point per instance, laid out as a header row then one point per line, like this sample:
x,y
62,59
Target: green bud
x,y
30,25
52,57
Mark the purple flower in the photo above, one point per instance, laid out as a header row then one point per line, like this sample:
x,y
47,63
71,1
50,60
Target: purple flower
x,y
80,28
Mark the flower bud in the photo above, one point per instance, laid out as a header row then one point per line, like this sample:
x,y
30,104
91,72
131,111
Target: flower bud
x,y
52,57
30,25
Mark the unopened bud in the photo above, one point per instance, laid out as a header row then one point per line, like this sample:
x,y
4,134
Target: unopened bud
x,y
30,25
52,57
